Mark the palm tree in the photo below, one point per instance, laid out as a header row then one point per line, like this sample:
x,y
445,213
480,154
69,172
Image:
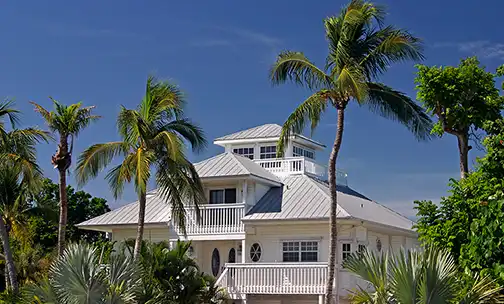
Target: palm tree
x,y
153,136
67,122
78,276
19,174
361,48
424,277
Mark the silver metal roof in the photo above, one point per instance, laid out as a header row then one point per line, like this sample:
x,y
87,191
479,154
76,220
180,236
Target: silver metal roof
x,y
156,211
263,131
230,164
305,197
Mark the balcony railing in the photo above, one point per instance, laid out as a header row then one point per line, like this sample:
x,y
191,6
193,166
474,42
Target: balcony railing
x,y
214,219
283,278
298,165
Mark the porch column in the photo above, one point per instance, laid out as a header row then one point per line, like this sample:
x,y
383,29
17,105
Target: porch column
x,y
244,192
244,251
320,299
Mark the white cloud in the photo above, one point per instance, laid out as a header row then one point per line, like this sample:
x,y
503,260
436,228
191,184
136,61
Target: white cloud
x,y
483,48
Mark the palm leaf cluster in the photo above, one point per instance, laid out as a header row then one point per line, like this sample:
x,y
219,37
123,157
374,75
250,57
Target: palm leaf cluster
x,y
360,49
153,138
79,277
430,276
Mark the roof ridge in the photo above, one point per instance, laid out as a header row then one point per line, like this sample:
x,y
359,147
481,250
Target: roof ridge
x,y
235,157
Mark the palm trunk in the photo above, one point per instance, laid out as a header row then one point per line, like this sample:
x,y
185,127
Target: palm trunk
x,y
9,261
140,229
63,211
333,253
463,145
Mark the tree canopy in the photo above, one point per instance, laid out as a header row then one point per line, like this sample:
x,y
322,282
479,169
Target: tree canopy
x,y
470,221
463,98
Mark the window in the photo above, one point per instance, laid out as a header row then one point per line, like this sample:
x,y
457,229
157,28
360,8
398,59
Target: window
x,y
247,152
255,252
268,152
297,151
378,244
223,196
215,262
361,248
346,250
300,251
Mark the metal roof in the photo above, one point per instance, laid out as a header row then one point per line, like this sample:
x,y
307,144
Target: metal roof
x,y
263,131
156,211
230,164
305,197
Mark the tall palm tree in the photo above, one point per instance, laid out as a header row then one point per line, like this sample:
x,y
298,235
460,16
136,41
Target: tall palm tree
x,y
361,48
67,122
423,277
19,174
153,136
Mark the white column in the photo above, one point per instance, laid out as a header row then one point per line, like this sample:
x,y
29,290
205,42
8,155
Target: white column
x,y
320,299
244,192
244,251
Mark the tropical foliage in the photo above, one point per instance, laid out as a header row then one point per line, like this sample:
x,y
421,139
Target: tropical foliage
x,y
171,276
67,122
78,276
430,276
463,98
360,49
468,222
153,137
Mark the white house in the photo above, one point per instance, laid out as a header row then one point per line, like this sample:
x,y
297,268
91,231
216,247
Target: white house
x,y
264,229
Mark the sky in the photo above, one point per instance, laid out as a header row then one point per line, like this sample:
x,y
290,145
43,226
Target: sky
x,y
219,53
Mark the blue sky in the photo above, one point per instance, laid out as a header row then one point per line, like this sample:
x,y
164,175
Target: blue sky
x,y
219,52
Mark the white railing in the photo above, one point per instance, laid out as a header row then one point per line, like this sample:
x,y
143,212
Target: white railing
x,y
299,165
283,278
292,165
214,219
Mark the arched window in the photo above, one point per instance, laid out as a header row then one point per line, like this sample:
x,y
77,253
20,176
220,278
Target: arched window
x,y
232,256
215,262
255,252
378,244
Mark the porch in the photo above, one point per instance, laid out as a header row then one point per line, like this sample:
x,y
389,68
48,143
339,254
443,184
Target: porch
x,y
215,220
244,279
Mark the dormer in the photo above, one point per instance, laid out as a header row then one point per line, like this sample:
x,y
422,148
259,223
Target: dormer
x,y
260,143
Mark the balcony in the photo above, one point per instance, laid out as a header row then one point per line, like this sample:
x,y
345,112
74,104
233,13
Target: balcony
x,y
282,278
215,219
298,165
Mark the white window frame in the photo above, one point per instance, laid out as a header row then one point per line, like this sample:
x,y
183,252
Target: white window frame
x,y
271,155
302,152
316,241
249,155
237,198
343,252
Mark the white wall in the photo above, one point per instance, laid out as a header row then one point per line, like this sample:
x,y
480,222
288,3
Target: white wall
x,y
270,237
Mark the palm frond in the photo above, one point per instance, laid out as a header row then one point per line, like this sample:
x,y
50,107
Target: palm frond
x,y
483,290
351,82
379,49
295,67
97,157
406,272
438,283
310,110
7,108
185,129
121,174
142,163
396,106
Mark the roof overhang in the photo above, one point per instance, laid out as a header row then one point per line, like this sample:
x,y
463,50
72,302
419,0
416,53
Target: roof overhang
x,y
109,228
345,220
299,138
255,178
